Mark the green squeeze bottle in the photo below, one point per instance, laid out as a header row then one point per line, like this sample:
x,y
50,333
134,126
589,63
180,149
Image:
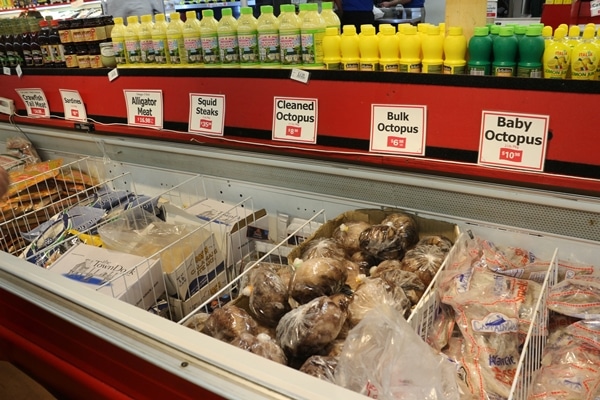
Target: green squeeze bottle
x,y
531,52
505,48
480,52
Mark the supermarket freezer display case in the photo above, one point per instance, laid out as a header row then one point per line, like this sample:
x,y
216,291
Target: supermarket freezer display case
x,y
79,343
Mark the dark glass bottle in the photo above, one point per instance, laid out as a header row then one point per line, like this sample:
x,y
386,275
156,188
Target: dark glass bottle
x,y
3,60
9,45
26,39
44,41
18,42
36,50
57,48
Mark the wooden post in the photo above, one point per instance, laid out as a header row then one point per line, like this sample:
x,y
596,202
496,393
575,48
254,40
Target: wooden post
x,y
466,13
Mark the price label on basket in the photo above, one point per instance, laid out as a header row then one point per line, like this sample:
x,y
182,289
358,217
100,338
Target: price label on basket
x,y
513,140
207,114
35,102
144,108
73,105
398,129
295,119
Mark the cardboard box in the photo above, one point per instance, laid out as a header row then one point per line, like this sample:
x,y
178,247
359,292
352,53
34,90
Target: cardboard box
x,y
374,216
227,222
130,278
180,308
306,230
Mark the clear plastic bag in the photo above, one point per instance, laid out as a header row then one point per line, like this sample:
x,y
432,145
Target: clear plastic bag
x,y
395,363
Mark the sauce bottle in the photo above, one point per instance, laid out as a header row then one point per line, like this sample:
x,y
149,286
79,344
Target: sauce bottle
x,y
268,38
57,48
227,40
44,40
210,40
433,51
132,41
312,33
455,51
410,49
36,50
118,40
531,52
159,41
332,55
584,57
330,17
368,45
290,43
557,56
26,46
247,38
146,44
389,49
175,40
349,48
505,52
191,40
480,52
18,43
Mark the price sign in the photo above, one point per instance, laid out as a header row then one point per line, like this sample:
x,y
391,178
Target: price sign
x,y
595,8
513,140
295,120
144,108
207,114
73,105
398,129
35,102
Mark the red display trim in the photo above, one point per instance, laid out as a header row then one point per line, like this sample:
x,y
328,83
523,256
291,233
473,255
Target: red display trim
x,y
72,363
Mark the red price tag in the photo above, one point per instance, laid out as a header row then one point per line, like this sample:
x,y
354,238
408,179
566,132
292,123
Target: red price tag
x,y
397,142
205,124
513,155
37,111
141,119
295,131
74,113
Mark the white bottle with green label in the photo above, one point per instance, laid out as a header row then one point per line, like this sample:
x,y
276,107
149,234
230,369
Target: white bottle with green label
x,y
268,38
175,40
191,40
159,41
210,42
228,42
247,36
289,37
312,34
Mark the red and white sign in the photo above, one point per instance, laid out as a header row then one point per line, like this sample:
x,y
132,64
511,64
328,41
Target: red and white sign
x,y
144,108
35,102
513,140
295,119
73,105
398,129
207,114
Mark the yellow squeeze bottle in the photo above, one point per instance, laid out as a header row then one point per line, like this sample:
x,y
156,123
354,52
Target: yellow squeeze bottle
x,y
132,40
368,44
349,48
410,48
191,40
159,41
247,38
175,40
584,57
332,55
228,42
146,46
389,49
557,56
118,40
455,51
433,50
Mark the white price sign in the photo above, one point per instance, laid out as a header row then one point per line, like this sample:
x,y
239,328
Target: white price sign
x,y
35,102
595,8
398,129
207,113
144,108
73,105
295,120
513,140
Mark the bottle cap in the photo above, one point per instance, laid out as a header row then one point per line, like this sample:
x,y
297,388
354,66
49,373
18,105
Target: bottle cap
x,y
327,5
433,30
312,7
246,10
533,31
348,30
574,31
367,29
266,9
387,29
188,15
331,31
132,19
410,30
506,31
147,18
455,31
226,11
174,16
481,31
495,29
560,33
208,13
547,31
117,20
588,32
287,8
520,29
159,17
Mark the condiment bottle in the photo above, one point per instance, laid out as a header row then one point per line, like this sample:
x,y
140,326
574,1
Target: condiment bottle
x,y
268,38
480,52
505,51
247,36
132,41
159,41
432,49
332,55
349,48
312,32
227,40
557,56
175,40
191,40
531,52
146,44
290,43
410,49
210,39
455,51
118,40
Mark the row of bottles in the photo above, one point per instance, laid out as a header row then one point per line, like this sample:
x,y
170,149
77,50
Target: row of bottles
x,y
16,4
269,41
568,55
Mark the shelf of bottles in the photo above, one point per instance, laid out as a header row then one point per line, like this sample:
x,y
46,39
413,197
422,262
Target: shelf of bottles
x,y
212,4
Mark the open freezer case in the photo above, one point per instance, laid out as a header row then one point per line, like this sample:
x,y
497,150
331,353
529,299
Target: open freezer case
x,y
79,343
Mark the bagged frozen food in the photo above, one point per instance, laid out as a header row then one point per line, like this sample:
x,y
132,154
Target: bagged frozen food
x,y
348,235
383,242
444,243
322,367
384,358
355,274
576,297
229,322
364,260
308,329
323,248
410,282
197,321
373,292
406,227
425,261
317,277
268,298
570,367
262,345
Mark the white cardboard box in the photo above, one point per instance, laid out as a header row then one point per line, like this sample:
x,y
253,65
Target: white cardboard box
x,y
180,309
227,222
130,278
